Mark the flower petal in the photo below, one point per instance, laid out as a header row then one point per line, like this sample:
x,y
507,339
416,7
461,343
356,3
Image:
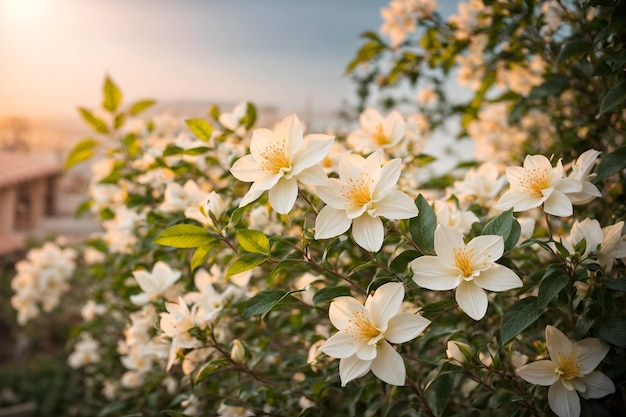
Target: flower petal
x,y
342,311
289,131
396,205
368,232
251,195
498,278
563,402
472,299
331,193
558,204
389,175
446,239
485,249
246,169
314,150
331,222
352,368
283,195
339,345
589,354
598,385
518,200
314,175
429,272
539,372
388,365
350,166
558,344
404,327
385,303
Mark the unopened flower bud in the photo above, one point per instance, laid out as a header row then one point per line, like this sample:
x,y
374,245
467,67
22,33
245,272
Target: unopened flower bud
x,y
238,351
455,353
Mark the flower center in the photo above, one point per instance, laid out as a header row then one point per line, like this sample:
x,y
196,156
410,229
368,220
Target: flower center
x,y
568,367
362,328
463,261
535,180
357,191
379,136
274,159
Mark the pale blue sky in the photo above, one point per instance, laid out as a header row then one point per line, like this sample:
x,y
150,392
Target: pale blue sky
x,y
54,54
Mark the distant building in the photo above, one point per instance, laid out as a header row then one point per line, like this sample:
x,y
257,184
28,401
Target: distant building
x,y
28,191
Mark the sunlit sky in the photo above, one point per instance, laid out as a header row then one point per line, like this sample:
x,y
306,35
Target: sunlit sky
x,y
54,54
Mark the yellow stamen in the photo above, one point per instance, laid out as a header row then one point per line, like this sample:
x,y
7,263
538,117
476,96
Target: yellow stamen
x,y
379,136
274,159
357,192
535,180
463,260
362,328
568,367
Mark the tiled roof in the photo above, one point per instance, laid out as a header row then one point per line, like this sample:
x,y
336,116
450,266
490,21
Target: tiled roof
x,y
17,167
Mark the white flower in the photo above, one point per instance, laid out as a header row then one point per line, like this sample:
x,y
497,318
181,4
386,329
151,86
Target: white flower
x,y
377,132
569,369
470,268
179,198
364,334
447,213
233,119
176,323
539,183
581,171
278,160
86,351
481,184
154,284
362,194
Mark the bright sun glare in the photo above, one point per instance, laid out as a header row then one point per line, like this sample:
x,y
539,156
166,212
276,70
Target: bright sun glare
x,y
23,11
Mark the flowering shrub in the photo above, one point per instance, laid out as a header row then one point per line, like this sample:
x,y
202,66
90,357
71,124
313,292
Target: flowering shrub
x,y
207,295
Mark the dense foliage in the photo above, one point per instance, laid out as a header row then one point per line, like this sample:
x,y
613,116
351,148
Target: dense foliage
x,y
206,295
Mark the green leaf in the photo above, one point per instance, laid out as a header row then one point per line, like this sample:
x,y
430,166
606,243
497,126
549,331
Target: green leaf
x,y
400,263
173,413
614,331
574,48
618,284
553,281
521,315
328,293
265,301
112,95
253,241
250,118
185,236
96,124
610,164
438,392
504,225
172,149
368,51
236,216
82,151
201,128
245,262
552,87
209,368
119,121
422,228
140,106
200,256
613,98
196,151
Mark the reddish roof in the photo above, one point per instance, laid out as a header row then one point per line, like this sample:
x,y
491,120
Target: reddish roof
x,y
18,167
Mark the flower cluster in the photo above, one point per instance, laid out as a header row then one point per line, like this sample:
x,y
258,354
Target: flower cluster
x,y
248,270
42,279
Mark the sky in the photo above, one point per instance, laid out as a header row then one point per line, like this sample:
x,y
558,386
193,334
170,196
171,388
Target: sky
x,y
54,54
